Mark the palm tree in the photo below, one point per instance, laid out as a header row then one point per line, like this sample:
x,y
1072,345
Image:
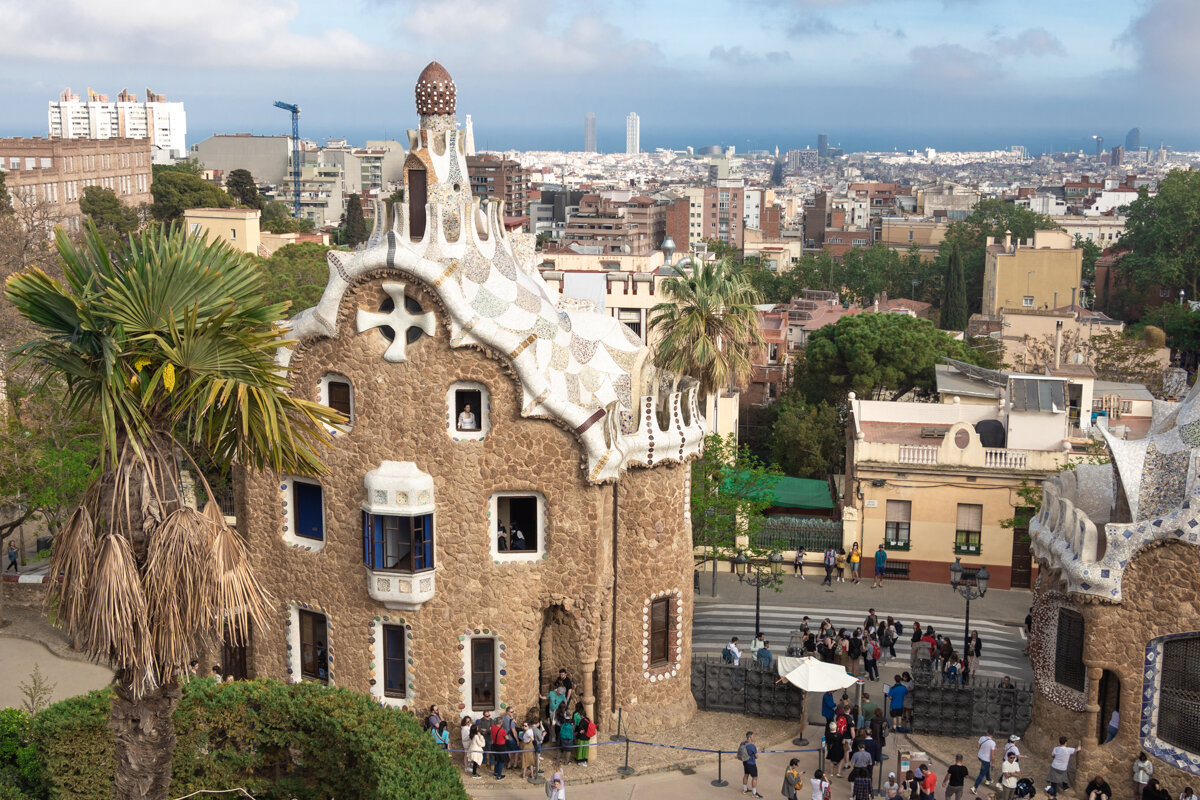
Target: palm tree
x,y
709,325
169,342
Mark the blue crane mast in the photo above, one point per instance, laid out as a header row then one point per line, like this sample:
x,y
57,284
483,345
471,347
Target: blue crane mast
x,y
294,110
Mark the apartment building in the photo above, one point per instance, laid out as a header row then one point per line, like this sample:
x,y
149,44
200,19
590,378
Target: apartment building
x,y
502,178
268,158
935,481
1042,272
55,172
837,224
901,233
616,222
163,123
327,178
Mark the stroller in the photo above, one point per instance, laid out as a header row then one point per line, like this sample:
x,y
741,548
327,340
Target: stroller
x,y
1025,788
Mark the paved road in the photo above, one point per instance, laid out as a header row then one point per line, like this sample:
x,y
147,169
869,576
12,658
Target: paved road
x,y
69,678
715,622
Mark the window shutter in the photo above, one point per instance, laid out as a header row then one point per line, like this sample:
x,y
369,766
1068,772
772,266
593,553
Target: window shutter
x,y
377,541
899,511
970,517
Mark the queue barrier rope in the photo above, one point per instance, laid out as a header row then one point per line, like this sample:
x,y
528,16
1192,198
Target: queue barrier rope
x,y
644,744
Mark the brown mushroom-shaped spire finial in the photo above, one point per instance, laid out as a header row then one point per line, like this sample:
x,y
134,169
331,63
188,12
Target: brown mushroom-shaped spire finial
x,y
435,91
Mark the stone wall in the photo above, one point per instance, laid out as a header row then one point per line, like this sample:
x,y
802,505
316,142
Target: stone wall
x,y
25,595
400,415
1161,597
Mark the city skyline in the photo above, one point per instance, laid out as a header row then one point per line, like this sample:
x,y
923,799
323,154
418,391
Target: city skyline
x,y
1066,71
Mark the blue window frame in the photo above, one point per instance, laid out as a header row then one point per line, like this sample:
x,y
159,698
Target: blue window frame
x,y
309,509
402,544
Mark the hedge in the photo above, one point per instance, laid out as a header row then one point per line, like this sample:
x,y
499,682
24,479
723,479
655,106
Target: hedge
x,y
277,740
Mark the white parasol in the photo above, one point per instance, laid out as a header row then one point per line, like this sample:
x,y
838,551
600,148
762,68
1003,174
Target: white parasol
x,y
814,675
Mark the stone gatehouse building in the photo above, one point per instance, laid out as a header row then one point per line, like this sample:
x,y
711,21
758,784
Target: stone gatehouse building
x,y
1117,606
510,493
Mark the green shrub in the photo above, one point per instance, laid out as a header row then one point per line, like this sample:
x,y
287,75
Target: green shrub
x,y
277,740
20,771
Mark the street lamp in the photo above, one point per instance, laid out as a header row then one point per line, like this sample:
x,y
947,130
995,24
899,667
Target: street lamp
x,y
971,590
758,575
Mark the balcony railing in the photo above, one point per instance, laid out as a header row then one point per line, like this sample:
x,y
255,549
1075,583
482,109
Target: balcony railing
x,y
1005,459
918,454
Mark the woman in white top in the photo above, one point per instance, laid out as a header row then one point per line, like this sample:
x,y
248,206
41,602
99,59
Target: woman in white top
x,y
475,751
464,733
466,420
819,785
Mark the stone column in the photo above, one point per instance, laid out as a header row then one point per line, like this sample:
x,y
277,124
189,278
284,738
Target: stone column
x,y
589,686
1091,712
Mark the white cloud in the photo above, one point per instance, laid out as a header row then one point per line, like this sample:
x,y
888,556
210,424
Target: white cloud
x,y
740,56
535,34
1031,41
213,33
952,64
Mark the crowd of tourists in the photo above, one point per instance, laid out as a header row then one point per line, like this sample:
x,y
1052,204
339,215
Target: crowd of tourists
x,y
501,742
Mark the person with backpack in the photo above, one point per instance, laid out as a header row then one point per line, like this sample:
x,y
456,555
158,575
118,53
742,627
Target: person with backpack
x,y
871,653
585,729
731,654
793,780
748,754
820,786
854,651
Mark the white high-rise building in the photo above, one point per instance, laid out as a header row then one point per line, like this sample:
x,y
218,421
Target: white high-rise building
x,y
589,133
469,135
633,134
163,123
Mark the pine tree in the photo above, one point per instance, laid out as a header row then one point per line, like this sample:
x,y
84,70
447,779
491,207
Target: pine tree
x,y
954,301
354,226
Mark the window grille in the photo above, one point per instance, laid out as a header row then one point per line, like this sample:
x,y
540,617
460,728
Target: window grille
x,y
1068,655
1179,696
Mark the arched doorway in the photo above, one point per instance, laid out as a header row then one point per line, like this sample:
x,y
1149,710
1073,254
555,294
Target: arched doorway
x,y
1109,696
558,648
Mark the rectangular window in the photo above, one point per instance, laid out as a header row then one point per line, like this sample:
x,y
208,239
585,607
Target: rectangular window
x,y
339,397
314,658
393,661
896,530
969,529
468,409
517,521
1027,301
403,544
632,319
233,234
483,674
1068,650
660,630
309,504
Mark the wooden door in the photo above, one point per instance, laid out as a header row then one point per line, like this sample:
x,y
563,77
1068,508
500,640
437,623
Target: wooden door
x,y
1022,559
417,198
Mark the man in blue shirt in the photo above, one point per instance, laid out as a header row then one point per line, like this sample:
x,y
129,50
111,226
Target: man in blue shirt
x,y
896,696
750,766
880,566
764,656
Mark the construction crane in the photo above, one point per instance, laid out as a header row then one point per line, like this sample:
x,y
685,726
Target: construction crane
x,y
294,110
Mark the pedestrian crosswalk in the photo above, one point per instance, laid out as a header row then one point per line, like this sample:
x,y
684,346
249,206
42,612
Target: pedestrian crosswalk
x,y
715,623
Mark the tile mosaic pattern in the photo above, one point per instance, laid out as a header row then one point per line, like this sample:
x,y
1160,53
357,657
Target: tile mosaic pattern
x,y
1148,723
571,361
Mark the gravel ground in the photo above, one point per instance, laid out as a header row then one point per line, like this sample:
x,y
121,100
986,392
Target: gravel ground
x,y
1034,766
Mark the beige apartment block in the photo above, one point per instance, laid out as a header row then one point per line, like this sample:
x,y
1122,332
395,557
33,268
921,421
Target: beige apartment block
x,y
901,233
1040,273
479,402
237,227
54,173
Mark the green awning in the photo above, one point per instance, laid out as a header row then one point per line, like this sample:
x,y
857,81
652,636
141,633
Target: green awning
x,y
800,493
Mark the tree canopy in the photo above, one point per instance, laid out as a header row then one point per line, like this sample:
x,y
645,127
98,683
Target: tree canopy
x,y
112,218
877,356
1162,234
5,200
354,225
277,218
954,307
189,166
175,192
242,188
709,325
806,439
861,275
295,274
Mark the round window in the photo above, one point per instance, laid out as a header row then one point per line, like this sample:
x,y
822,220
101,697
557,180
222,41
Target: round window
x,y
962,439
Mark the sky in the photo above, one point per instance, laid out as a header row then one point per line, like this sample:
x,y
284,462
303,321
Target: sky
x,y
873,74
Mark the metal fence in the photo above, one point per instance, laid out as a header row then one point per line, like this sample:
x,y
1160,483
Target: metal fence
x,y
786,532
744,689
946,708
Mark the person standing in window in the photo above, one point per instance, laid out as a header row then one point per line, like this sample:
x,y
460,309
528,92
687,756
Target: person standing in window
x,y
466,420
517,538
501,537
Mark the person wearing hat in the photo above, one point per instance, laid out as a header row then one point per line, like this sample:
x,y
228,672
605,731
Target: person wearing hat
x,y
1011,747
891,787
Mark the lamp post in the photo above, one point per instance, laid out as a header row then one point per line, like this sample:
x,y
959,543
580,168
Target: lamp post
x,y
758,575
971,590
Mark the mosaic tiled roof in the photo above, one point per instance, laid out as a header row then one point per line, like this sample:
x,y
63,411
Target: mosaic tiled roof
x,y
579,367
1155,478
